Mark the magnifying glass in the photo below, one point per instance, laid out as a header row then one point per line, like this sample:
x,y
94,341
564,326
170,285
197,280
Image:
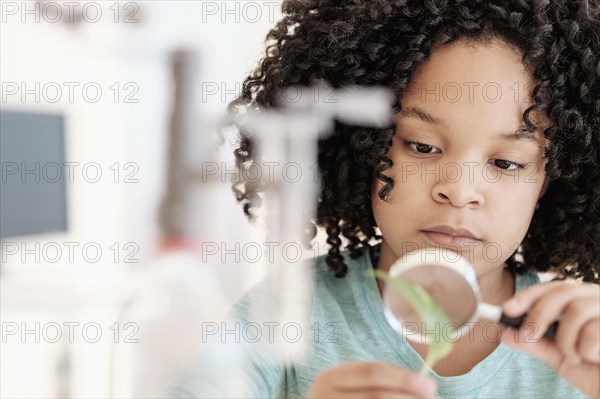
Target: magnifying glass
x,y
453,284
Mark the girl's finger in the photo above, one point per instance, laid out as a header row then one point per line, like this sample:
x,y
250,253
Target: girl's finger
x,y
588,345
548,307
382,394
381,376
577,315
372,394
544,349
524,300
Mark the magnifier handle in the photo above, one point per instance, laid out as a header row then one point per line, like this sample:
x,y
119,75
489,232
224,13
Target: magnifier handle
x,y
516,322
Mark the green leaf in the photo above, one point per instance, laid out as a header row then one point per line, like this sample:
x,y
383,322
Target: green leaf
x,y
428,311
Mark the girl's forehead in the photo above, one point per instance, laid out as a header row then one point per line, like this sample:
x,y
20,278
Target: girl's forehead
x,y
471,86
472,66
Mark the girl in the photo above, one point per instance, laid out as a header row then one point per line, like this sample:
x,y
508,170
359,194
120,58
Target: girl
x,y
494,150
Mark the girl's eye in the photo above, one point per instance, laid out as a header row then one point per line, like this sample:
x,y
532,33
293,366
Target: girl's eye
x,y
507,165
422,148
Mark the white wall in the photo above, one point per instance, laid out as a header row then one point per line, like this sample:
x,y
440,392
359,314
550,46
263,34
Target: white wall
x,y
99,51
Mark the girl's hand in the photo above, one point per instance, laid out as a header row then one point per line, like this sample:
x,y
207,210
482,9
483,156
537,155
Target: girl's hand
x,y
575,351
370,380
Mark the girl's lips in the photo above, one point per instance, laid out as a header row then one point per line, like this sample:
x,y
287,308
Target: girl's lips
x,y
451,241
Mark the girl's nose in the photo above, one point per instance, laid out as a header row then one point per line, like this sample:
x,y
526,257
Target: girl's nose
x,y
460,191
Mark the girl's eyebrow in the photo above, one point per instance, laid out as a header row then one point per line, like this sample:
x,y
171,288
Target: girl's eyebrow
x,y
520,134
418,113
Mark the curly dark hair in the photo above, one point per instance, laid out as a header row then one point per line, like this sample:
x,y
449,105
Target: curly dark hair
x,y
381,42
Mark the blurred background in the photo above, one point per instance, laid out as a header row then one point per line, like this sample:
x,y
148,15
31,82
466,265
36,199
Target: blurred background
x,y
110,235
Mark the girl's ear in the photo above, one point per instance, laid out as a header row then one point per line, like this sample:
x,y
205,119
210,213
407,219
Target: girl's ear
x,y
544,187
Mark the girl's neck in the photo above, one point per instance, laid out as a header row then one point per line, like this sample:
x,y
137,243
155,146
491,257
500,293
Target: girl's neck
x,y
498,285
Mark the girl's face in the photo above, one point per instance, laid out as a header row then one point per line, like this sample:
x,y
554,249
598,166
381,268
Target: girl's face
x,y
458,163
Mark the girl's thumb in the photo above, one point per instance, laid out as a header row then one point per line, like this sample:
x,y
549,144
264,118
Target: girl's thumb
x,y
543,349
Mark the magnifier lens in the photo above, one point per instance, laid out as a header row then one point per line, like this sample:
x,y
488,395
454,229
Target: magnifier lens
x,y
446,286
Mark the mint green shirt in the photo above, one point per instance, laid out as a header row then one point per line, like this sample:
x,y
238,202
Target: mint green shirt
x,y
347,324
